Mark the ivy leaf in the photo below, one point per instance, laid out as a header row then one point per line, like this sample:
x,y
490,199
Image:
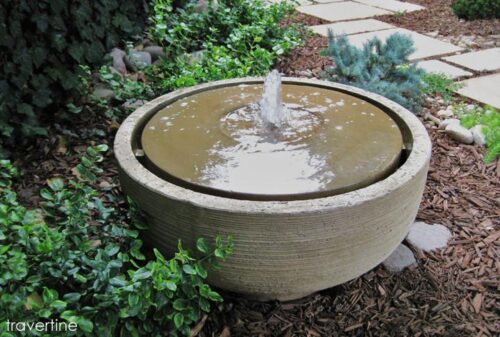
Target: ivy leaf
x,y
188,269
202,246
55,184
178,320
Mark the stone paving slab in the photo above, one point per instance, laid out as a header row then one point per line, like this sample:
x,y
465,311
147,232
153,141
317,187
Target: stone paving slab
x,y
328,1
392,5
487,59
425,45
435,66
484,89
340,11
352,27
300,2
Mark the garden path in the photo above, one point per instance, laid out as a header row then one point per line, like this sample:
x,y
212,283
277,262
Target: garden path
x,y
478,71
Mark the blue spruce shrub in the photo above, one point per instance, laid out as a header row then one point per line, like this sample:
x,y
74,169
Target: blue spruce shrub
x,y
379,67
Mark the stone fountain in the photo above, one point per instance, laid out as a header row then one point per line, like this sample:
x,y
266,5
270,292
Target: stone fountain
x,y
317,182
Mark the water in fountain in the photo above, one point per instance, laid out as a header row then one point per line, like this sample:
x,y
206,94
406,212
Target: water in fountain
x,y
272,110
274,140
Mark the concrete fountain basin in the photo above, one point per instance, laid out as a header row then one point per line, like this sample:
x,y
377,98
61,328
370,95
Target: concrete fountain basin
x,y
284,249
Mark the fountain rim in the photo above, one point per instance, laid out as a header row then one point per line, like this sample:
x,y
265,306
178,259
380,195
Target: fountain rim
x,y
415,137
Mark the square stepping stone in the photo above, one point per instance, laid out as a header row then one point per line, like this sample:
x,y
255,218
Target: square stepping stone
x,y
327,1
483,89
487,59
435,66
392,5
351,27
425,46
341,11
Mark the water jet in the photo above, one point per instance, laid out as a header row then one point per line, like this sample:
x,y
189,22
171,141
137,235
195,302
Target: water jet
x,y
317,182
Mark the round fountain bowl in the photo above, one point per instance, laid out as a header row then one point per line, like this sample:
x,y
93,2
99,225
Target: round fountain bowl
x,y
291,239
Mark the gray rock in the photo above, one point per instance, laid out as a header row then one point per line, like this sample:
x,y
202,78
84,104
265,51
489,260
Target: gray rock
x,y
305,73
449,121
428,237
478,135
399,259
448,112
155,51
118,60
137,60
133,103
196,56
459,133
102,92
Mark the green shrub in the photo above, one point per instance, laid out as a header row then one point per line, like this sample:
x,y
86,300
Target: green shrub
x,y
476,9
236,38
440,84
379,67
42,44
78,260
489,117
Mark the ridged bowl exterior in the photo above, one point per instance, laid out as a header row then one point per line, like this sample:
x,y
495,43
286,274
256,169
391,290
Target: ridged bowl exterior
x,y
282,249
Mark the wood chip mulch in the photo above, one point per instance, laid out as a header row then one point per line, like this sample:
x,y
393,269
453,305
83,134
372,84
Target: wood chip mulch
x,y
439,17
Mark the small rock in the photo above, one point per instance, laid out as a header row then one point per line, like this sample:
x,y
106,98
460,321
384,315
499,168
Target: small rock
x,y
133,103
118,60
399,259
137,60
448,121
478,135
459,133
432,34
305,73
196,56
155,51
446,113
428,237
102,92
432,118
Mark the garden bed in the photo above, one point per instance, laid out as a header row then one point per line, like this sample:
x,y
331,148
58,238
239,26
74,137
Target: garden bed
x,y
451,292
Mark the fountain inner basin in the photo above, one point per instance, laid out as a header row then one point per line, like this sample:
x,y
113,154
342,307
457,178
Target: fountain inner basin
x,y
323,142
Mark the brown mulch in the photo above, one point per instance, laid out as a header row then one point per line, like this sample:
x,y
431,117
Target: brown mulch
x,y
306,58
439,17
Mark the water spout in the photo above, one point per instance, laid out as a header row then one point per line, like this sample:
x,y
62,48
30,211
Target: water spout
x,y
272,110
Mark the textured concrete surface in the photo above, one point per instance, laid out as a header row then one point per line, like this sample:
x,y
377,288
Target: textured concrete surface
x,y
425,46
392,5
436,66
283,250
352,27
487,59
399,259
428,237
340,11
484,89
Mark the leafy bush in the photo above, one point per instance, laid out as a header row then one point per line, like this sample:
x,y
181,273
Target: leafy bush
x,y
236,38
379,67
42,44
440,84
476,9
77,260
489,117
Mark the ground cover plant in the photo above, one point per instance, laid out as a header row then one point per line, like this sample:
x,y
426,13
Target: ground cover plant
x,y
77,259
489,118
380,67
439,84
476,9
234,38
42,45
